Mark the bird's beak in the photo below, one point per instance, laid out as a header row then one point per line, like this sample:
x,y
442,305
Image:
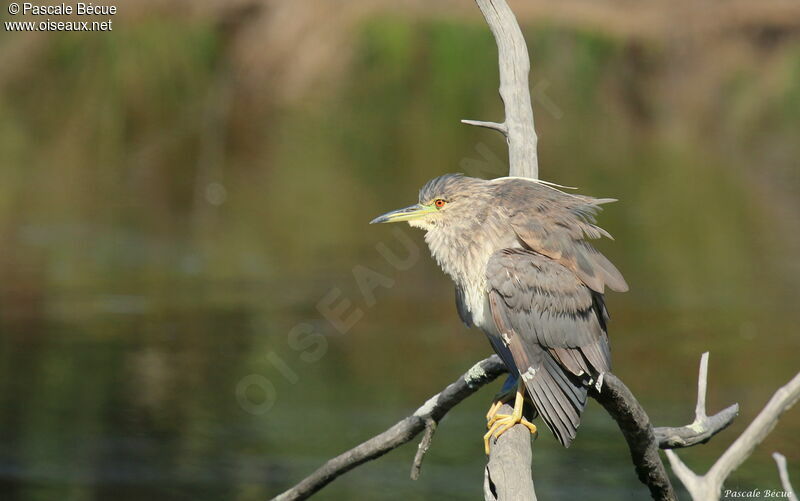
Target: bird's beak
x,y
405,214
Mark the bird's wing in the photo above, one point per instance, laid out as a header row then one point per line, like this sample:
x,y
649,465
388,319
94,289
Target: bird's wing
x,y
557,225
554,326
463,309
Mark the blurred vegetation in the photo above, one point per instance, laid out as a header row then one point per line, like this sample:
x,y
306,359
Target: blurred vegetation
x,y
168,213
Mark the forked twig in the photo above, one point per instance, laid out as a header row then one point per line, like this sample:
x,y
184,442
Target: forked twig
x,y
708,487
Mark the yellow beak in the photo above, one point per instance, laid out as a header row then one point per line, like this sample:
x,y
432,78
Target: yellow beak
x,y
405,214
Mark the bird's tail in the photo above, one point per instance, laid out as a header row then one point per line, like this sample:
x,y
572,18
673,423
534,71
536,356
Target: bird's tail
x,y
558,399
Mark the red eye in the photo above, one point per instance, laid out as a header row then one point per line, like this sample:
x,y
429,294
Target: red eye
x,y
439,203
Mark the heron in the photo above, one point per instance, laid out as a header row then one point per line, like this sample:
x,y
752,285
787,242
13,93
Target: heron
x,y
517,251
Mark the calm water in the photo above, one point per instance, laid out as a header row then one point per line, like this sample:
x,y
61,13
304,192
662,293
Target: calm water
x,y
162,268
137,397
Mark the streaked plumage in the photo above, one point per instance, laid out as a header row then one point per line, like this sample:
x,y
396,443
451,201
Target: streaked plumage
x,y
526,275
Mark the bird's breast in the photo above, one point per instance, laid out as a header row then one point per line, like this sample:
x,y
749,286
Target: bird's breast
x,y
464,256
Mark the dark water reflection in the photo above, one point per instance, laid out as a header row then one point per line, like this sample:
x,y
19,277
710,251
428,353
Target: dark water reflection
x,y
111,396
132,308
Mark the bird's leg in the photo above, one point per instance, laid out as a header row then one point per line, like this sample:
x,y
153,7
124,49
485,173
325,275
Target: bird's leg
x,y
501,423
505,395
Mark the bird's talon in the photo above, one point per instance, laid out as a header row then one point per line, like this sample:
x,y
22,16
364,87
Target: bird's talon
x,y
486,442
495,418
531,427
501,423
490,416
501,399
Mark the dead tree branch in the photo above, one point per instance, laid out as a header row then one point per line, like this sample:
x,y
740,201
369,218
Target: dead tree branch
x,y
644,441
405,430
422,448
514,66
509,465
703,427
508,469
708,487
635,426
508,473
780,460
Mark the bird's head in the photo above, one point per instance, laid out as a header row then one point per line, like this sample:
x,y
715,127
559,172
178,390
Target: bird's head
x,y
442,200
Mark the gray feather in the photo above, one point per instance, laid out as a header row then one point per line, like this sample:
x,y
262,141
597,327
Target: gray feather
x,y
556,326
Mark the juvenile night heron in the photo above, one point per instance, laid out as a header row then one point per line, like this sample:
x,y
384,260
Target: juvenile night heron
x,y
525,274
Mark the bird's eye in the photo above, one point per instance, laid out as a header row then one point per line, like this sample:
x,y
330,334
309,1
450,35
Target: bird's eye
x,y
439,203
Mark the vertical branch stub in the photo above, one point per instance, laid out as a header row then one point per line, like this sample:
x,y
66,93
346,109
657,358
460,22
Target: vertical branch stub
x,y
514,64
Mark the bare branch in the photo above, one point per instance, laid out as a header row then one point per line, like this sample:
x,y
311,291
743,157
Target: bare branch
x,y
708,486
508,472
783,399
635,426
489,125
514,68
703,427
696,433
511,453
702,388
405,430
513,449
422,448
780,459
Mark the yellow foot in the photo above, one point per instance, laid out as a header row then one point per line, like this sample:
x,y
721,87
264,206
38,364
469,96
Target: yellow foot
x,y
490,416
504,422
501,423
500,399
